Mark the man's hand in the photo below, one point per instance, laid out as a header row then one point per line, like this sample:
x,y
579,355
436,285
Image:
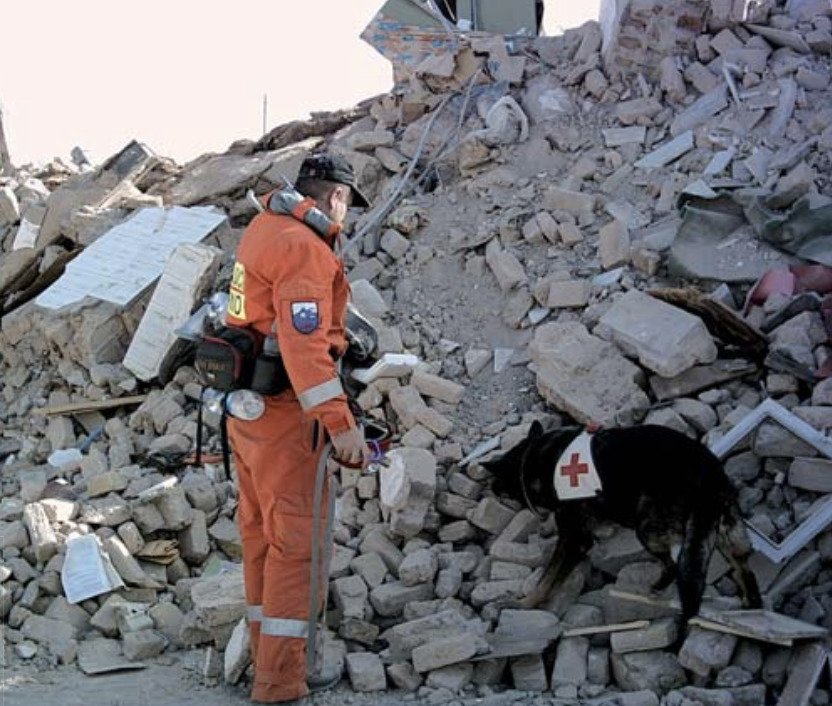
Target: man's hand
x,y
350,448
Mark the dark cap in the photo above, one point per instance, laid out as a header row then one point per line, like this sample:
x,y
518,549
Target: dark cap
x,y
334,168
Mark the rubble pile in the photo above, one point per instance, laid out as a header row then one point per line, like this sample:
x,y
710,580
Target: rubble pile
x,y
567,229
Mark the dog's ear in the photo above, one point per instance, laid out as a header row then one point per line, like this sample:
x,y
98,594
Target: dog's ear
x,y
536,430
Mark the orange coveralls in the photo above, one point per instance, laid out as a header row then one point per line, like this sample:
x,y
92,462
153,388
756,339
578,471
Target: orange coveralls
x,y
286,276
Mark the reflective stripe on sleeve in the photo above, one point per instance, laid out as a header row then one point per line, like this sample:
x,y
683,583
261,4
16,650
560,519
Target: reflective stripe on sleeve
x,y
254,613
320,394
284,627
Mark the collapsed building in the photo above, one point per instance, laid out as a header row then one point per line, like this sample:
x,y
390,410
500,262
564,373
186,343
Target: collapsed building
x,y
628,223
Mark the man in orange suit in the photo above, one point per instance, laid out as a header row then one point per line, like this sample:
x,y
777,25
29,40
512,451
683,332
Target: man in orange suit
x,y
290,284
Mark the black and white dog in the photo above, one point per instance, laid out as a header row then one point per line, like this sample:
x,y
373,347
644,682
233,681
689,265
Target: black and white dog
x,y
667,487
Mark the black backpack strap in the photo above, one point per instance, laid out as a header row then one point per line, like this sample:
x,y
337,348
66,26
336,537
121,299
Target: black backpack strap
x,y
199,424
226,449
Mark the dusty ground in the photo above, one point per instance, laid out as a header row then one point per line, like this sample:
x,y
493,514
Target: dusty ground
x,y
172,685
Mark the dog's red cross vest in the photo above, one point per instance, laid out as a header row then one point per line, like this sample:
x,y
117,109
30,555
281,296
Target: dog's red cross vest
x,y
576,477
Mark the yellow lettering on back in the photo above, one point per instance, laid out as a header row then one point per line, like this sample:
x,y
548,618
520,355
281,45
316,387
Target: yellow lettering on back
x,y
236,294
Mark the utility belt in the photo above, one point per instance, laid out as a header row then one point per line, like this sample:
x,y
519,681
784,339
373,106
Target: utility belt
x,y
241,359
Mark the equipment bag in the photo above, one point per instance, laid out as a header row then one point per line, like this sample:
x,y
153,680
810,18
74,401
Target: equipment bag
x,y
226,360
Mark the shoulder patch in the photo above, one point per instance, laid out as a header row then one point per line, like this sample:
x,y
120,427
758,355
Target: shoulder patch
x,y
305,317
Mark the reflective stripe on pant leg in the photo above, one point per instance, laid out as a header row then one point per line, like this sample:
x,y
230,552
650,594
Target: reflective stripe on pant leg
x,y
284,627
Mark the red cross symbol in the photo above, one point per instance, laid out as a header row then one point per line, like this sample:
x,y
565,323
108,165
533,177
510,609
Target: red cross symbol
x,y
574,469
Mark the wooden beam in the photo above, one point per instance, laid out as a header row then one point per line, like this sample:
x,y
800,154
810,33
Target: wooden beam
x,y
89,406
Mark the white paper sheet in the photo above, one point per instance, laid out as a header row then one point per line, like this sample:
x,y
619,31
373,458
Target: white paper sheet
x,y
131,256
87,571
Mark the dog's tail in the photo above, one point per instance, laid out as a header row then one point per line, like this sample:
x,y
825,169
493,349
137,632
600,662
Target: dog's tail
x,y
735,545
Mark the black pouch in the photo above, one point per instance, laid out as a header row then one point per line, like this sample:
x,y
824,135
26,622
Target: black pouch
x,y
226,360
269,376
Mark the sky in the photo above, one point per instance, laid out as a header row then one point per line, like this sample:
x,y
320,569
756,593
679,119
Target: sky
x,y
186,77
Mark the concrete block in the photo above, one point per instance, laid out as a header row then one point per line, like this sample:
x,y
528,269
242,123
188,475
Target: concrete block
x,y
461,531
702,110
658,672
371,139
389,599
598,666
491,591
167,619
194,544
660,634
394,244
568,294
56,635
666,339
219,600
9,207
13,535
614,245
529,673
227,537
437,387
405,637
489,672
629,112
517,553
369,567
701,78
814,474
558,199
570,234
505,266
584,376
446,651
377,542
188,274
448,582
175,508
570,668
404,677
350,595
367,299
418,567
408,405
63,611
453,678
407,489
491,516
704,651
366,672
143,644
42,537
618,136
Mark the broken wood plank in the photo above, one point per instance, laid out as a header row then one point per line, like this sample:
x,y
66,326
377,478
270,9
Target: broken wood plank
x,y
669,604
89,405
604,629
